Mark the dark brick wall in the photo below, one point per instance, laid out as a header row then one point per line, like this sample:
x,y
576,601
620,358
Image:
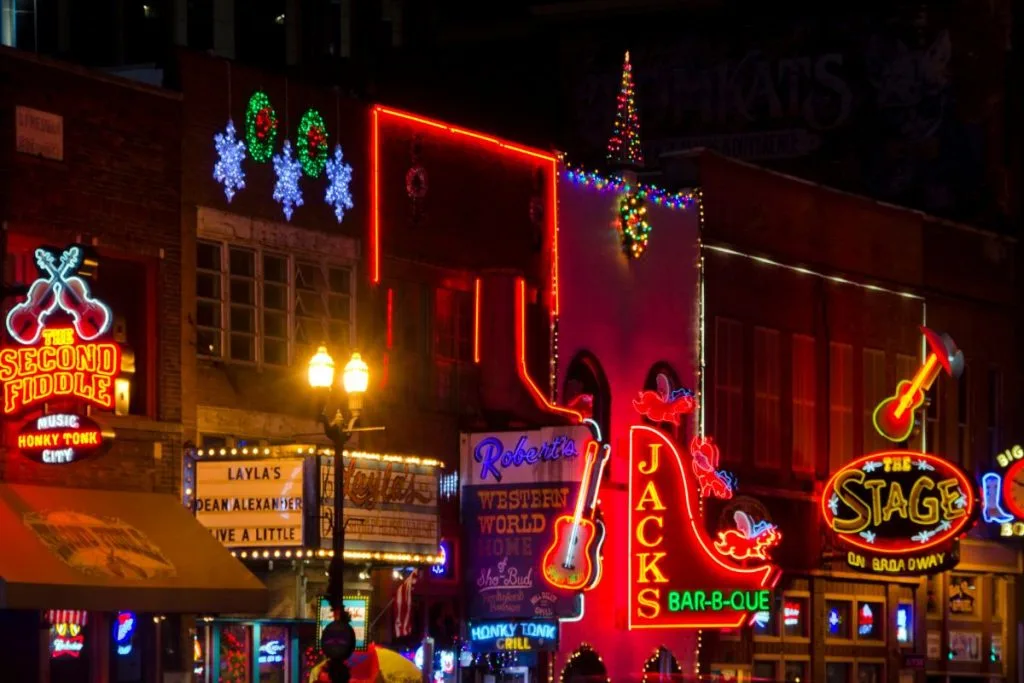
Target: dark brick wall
x,y
117,189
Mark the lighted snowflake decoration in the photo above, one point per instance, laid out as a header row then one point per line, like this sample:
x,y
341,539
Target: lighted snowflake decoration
x,y
339,176
868,536
288,171
924,466
871,466
961,501
833,504
230,155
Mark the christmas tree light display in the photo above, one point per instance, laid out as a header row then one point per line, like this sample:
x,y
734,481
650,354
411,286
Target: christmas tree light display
x,y
288,171
624,144
230,155
339,176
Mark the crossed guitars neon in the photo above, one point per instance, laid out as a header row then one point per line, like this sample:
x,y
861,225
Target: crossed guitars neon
x,y
58,286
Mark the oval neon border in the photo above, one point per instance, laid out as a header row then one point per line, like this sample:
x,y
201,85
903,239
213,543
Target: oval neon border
x,y
957,528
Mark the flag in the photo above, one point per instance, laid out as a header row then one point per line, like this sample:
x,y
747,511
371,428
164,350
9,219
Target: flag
x,y
403,605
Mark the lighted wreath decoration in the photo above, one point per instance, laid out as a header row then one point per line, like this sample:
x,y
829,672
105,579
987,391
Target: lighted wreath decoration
x,y
416,182
312,143
636,231
260,127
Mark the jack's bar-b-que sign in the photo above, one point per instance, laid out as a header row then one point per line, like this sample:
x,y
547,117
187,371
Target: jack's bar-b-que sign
x,y
900,512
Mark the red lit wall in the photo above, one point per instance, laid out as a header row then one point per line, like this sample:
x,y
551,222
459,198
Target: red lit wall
x,y
631,315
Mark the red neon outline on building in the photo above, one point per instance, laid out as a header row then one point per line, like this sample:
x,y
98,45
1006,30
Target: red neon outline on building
x,y
476,320
769,574
958,527
481,139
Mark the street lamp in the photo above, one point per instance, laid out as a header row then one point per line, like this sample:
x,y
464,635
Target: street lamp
x,y
339,429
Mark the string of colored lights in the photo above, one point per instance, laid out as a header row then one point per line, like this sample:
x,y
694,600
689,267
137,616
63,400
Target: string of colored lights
x,y
584,649
618,185
624,144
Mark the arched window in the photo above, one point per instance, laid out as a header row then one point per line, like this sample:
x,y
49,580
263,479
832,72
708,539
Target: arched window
x,y
584,378
651,383
584,666
661,666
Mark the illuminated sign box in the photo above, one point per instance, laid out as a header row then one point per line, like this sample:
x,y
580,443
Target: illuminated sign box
x,y
61,438
534,635
1002,493
899,512
357,606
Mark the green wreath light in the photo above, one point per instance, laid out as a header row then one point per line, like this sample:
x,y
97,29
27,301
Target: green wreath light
x,y
260,127
312,143
636,231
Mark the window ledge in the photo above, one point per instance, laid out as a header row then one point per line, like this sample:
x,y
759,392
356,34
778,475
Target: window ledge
x,y
139,423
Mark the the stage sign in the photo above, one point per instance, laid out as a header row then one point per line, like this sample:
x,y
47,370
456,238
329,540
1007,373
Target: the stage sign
x,y
899,512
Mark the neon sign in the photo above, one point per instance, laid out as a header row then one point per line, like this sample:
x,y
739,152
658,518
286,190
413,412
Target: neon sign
x,y
60,438
524,636
665,404
67,639
677,578
899,512
491,454
894,416
272,652
1002,493
124,630
750,540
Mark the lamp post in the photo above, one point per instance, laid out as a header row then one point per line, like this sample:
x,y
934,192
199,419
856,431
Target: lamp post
x,y
339,429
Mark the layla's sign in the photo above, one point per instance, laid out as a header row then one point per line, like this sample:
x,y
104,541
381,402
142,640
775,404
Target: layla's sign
x,y
678,577
61,438
899,512
550,454
251,503
537,635
68,360
1002,493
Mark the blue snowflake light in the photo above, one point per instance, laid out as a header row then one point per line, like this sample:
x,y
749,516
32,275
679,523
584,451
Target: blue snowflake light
x,y
339,176
288,171
230,155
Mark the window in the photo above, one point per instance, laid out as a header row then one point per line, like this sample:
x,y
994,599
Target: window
x,y
767,437
995,652
269,308
963,419
729,387
765,624
998,595
453,325
905,624
995,411
934,588
837,672
209,319
794,617
875,390
840,370
837,614
963,594
869,673
235,652
805,418
763,671
796,672
273,659
870,620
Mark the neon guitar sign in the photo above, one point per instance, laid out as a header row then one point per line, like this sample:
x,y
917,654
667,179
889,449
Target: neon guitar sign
x,y
59,360
894,417
573,560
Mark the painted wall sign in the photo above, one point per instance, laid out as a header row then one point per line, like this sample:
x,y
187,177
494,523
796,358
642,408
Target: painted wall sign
x,y
39,133
677,577
899,512
538,635
390,505
1002,493
251,503
543,455
61,438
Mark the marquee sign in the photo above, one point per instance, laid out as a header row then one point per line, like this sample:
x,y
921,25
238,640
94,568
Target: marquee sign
x,y
1002,492
899,512
61,438
678,576
59,331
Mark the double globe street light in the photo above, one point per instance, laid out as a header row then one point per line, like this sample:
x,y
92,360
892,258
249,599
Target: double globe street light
x,y
338,639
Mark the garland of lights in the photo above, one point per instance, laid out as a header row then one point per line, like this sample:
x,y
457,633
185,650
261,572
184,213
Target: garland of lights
x,y
288,171
312,143
260,127
650,193
636,231
653,666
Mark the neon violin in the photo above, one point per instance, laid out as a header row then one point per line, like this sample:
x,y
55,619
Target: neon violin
x,y
894,417
572,562
26,321
90,318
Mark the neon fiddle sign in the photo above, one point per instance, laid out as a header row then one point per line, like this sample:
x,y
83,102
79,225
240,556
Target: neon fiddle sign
x,y
899,512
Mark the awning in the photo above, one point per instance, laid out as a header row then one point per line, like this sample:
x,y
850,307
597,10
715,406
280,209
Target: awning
x,y
63,548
